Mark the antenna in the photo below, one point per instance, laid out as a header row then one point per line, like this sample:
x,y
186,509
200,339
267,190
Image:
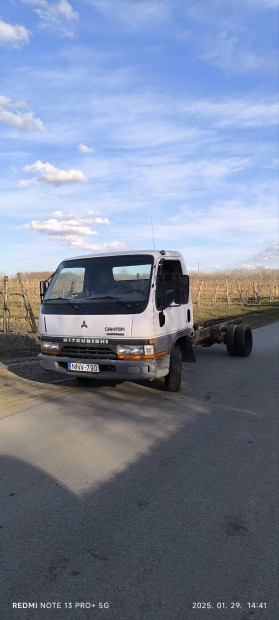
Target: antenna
x,y
153,233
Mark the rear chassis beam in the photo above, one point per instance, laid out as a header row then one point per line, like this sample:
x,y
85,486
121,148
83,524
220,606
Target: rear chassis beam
x,y
212,331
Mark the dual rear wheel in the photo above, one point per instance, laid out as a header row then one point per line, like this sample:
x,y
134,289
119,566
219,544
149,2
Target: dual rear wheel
x,y
239,340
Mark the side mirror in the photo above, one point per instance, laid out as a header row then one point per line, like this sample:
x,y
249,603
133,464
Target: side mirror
x,y
181,289
44,284
43,288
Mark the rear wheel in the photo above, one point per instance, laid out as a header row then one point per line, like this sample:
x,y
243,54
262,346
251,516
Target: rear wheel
x,y
173,379
230,339
243,341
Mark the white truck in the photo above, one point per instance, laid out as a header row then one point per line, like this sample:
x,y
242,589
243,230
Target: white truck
x,y
126,316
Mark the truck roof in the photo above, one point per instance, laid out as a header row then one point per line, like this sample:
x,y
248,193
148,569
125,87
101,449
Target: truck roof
x,y
154,253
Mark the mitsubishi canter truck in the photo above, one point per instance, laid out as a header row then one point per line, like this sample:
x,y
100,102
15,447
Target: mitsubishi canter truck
x,y
126,316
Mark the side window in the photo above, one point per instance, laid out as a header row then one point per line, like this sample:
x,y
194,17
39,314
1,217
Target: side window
x,y
167,273
132,273
170,267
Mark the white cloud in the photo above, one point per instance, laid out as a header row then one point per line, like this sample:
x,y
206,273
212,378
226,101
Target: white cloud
x,y
58,214
13,35
101,220
59,14
84,149
71,229
78,217
75,241
4,100
25,121
47,173
71,240
27,182
62,227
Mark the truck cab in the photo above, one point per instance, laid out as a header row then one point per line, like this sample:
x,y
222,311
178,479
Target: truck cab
x,y
120,316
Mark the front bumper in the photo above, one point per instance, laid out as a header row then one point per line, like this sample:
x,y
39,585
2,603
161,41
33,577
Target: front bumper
x,y
125,370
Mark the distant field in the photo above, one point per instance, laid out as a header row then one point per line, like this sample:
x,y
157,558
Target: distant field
x,y
253,296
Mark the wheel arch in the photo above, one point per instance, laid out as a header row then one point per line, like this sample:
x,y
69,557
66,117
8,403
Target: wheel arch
x,y
185,345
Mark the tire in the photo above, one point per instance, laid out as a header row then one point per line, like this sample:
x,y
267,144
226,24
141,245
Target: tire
x,y
230,339
173,379
243,341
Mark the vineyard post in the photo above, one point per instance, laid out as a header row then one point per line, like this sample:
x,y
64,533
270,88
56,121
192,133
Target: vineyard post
x,y
270,291
241,296
216,292
228,292
28,307
5,305
199,293
256,294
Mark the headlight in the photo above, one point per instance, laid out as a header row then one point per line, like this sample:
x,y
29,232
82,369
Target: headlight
x,y
136,351
130,349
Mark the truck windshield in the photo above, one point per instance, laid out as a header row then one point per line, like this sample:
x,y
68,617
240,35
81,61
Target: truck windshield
x,y
109,279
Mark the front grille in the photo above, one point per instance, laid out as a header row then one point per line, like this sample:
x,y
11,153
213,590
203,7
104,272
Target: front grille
x,y
88,352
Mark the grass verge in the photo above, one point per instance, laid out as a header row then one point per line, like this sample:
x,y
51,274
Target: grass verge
x,y
254,316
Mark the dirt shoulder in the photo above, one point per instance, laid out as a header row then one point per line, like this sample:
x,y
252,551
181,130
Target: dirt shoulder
x,y
18,345
23,381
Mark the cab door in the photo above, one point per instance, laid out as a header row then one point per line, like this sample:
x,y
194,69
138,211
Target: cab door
x,y
170,312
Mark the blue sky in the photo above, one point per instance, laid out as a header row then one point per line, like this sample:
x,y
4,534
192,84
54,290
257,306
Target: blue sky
x,y
119,116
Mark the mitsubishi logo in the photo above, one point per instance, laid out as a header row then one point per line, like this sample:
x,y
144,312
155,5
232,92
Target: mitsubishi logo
x,y
84,324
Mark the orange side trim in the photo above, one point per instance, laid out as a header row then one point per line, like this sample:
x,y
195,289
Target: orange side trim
x,y
50,352
143,357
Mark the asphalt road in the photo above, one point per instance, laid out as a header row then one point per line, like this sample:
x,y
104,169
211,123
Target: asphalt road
x,y
155,504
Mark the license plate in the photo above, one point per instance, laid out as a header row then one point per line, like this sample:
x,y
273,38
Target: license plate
x,y
83,367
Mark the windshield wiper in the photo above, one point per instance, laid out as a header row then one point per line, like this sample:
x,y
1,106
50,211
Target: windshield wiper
x,y
71,303
120,301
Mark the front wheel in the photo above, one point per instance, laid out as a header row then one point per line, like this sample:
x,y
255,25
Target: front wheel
x,y
173,379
